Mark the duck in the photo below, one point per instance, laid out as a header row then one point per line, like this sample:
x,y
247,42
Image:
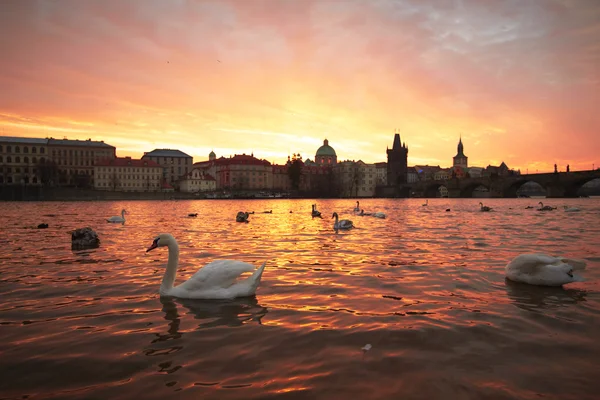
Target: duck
x,y
484,208
192,214
215,281
379,214
357,208
242,216
571,209
544,270
341,223
42,226
117,219
268,212
545,208
315,212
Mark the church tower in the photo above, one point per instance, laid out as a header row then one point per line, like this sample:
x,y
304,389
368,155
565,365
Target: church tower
x,y
460,160
397,162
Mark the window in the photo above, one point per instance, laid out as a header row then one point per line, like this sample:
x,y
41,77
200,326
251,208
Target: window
x,y
8,159
8,149
17,150
26,159
34,150
26,150
42,150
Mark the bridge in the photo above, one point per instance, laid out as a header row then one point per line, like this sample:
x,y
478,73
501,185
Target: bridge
x,y
557,184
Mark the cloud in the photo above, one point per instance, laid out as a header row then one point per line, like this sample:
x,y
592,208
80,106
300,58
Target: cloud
x,y
273,74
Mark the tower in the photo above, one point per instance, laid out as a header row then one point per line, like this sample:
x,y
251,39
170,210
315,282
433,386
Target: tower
x,y
460,160
397,162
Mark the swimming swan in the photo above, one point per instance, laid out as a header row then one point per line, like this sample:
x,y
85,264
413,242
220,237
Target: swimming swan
x,y
216,280
379,214
242,216
543,270
341,224
484,208
357,208
571,209
545,208
117,218
315,212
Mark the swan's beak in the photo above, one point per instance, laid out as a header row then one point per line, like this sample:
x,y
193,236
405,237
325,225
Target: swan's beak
x,y
154,245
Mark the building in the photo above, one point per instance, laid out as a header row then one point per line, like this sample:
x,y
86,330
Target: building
x,y
197,180
356,178
475,172
243,172
128,175
381,168
175,163
397,162
443,174
412,175
22,160
75,159
426,172
325,154
460,160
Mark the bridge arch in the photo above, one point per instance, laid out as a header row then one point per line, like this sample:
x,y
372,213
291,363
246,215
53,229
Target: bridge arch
x,y
572,189
468,189
433,189
512,189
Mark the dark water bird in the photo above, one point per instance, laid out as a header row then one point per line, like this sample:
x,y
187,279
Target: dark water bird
x,y
447,209
268,212
42,226
484,208
242,216
545,208
192,214
315,212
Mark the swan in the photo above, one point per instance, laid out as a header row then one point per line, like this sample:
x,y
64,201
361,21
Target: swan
x,y
315,212
362,213
357,208
84,238
484,208
117,218
426,203
341,224
378,214
216,280
242,217
571,209
544,270
545,208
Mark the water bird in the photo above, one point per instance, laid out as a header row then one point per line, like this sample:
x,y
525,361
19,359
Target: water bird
x,y
84,238
528,207
544,270
315,212
545,208
242,216
357,208
192,214
484,208
216,280
426,203
42,226
447,209
268,212
118,219
362,213
341,223
379,214
571,209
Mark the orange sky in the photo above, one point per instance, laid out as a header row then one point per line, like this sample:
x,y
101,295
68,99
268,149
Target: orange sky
x,y
520,80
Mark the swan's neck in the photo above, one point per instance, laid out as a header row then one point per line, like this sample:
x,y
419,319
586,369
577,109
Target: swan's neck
x,y
123,214
171,271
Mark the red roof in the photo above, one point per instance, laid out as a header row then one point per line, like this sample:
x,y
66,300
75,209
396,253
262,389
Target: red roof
x,y
126,162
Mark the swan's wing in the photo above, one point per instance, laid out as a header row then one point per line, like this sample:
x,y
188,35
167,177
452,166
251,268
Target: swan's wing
x,y
217,274
575,264
531,263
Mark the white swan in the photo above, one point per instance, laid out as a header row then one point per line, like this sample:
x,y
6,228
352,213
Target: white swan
x,y
379,214
357,208
543,270
571,209
426,203
116,218
341,223
484,208
216,280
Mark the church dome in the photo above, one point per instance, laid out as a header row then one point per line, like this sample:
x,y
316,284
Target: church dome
x,y
212,154
326,150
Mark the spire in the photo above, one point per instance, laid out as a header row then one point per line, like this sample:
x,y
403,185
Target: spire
x,y
460,147
396,145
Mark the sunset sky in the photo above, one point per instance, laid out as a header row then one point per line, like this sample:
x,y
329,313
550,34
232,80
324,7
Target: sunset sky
x,y
518,79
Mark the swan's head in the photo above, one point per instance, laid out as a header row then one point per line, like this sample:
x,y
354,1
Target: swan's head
x,y
164,239
334,215
480,204
541,204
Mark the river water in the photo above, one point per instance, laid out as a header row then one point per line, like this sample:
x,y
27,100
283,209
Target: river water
x,y
424,287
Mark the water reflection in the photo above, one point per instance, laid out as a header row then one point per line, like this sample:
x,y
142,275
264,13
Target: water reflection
x,y
213,313
537,298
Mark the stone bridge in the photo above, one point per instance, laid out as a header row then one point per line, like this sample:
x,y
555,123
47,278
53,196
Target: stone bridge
x,y
560,184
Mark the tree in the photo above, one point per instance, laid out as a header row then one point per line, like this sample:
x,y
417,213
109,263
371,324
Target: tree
x,y
295,170
47,171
